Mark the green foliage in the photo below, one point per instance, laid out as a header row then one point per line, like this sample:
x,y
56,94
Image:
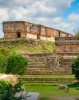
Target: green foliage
x,y
3,63
6,91
5,51
16,64
76,84
27,45
75,67
18,86
77,34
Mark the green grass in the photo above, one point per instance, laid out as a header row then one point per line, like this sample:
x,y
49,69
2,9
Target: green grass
x,y
48,76
27,45
47,92
42,83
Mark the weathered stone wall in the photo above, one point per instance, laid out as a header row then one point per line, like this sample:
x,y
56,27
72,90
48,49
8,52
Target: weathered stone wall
x,y
10,35
15,35
48,64
63,34
67,45
59,80
32,28
16,29
47,38
14,26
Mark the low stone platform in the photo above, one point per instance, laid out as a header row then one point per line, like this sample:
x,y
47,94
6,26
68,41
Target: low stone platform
x,y
28,95
65,98
33,96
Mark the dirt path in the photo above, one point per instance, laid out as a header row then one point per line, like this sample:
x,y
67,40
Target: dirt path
x,y
64,98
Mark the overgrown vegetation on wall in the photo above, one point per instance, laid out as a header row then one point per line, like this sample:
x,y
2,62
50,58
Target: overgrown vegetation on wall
x,y
27,45
16,64
6,91
75,67
3,63
13,63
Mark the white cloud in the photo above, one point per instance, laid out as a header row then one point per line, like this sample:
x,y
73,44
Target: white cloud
x,y
35,8
3,14
74,17
45,12
57,20
18,14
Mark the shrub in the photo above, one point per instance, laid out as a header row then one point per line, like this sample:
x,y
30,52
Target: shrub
x,y
18,87
3,63
16,64
6,91
5,51
75,68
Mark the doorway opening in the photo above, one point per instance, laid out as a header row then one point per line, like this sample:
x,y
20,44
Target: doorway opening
x,y
59,33
18,34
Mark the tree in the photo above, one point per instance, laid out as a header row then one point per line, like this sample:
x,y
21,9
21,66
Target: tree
x,y
16,64
75,68
5,51
3,63
6,91
76,32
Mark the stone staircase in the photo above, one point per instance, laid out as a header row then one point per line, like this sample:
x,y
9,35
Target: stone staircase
x,y
44,64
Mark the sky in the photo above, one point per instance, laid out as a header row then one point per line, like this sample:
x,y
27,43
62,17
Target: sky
x,y
58,14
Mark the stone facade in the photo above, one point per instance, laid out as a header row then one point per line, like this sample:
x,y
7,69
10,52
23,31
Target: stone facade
x,y
22,29
67,45
48,64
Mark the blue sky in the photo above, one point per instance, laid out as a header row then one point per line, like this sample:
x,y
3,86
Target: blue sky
x,y
59,14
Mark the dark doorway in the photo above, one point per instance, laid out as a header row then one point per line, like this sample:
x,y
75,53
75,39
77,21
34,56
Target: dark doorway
x,y
38,36
59,33
18,34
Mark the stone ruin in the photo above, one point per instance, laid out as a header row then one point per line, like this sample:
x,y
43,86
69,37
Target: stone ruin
x,y
13,79
22,29
49,64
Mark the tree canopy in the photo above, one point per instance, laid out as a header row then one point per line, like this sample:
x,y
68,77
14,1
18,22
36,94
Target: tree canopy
x,y
75,68
76,32
16,64
3,63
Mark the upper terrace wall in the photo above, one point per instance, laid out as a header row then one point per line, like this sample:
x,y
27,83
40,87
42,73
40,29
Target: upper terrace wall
x,y
67,45
15,29
67,40
32,28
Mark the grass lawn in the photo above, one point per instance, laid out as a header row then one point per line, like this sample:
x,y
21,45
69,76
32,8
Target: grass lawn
x,y
31,46
48,76
49,92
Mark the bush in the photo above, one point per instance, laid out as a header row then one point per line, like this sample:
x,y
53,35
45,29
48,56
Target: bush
x,y
18,87
3,63
5,51
75,68
16,64
6,91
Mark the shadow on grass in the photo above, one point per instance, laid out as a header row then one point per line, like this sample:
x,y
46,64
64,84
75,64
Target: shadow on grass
x,y
43,98
76,84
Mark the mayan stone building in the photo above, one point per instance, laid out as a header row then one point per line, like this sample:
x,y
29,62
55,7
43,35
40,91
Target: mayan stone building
x,y
22,29
67,45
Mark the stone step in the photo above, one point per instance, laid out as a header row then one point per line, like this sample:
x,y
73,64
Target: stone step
x,y
36,66
32,72
49,79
